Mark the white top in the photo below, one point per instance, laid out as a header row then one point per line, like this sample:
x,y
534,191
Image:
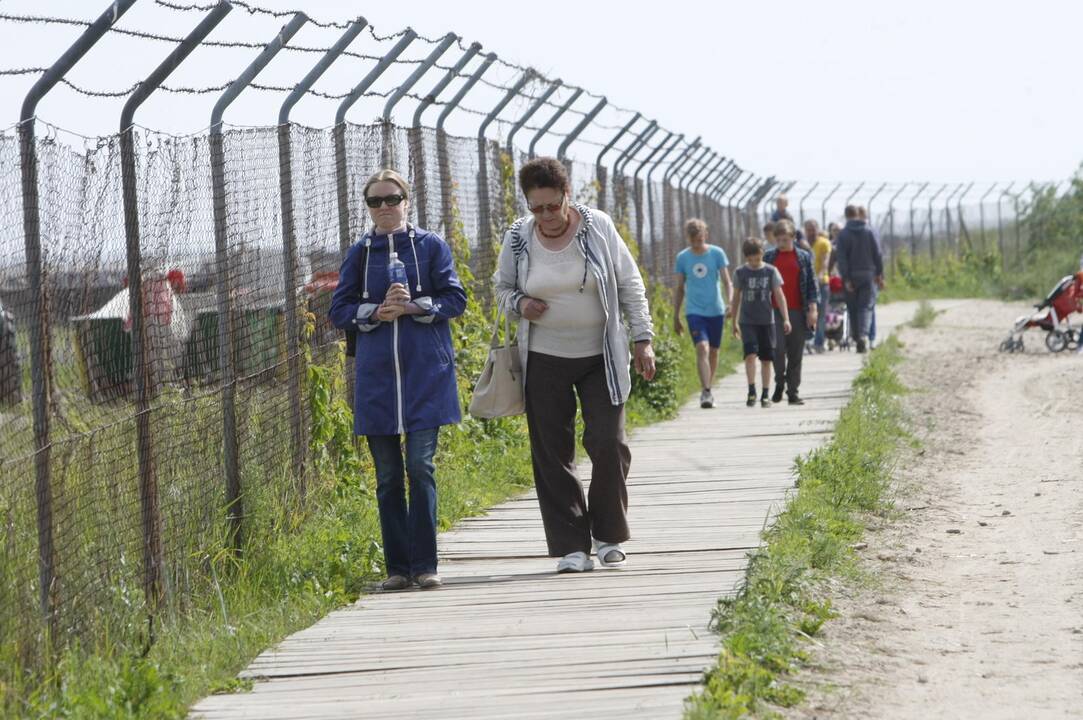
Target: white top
x,y
574,324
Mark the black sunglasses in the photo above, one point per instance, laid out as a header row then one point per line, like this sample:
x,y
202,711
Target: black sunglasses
x,y
374,201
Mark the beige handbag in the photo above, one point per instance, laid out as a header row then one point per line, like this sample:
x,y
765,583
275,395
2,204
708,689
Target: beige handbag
x,y
499,390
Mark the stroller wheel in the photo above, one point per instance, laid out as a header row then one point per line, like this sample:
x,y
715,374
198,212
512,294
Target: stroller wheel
x,y
1055,341
1007,345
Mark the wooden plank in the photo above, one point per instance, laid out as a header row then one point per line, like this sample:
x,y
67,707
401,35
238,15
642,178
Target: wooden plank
x,y
507,637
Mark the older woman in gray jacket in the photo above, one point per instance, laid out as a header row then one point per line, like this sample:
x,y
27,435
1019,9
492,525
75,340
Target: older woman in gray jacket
x,y
565,273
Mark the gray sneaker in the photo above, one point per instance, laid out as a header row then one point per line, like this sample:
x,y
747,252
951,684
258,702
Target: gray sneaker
x,y
427,581
706,400
396,582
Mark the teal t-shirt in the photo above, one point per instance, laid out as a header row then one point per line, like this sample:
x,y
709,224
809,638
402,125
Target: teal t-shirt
x,y
702,273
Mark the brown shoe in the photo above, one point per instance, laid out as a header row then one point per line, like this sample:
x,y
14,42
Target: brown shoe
x,y
428,581
396,582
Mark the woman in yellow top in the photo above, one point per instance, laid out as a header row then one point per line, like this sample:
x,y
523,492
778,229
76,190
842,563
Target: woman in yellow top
x,y
821,250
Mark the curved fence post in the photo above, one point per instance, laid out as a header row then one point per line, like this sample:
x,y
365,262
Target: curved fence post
x,y
805,196
294,356
599,168
962,231
226,337
485,219
342,186
932,221
657,239
562,150
552,121
146,365
638,192
388,156
40,350
981,211
534,107
823,204
443,159
1000,221
894,240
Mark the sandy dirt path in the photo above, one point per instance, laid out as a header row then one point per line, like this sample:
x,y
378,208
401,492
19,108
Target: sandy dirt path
x,y
975,609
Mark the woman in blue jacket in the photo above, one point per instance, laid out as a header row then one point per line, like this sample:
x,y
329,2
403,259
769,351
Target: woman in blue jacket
x,y
405,381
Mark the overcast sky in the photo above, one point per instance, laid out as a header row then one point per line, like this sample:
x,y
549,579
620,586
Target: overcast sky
x,y
840,89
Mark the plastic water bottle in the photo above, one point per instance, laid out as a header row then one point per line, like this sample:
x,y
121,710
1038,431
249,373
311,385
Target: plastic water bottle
x,y
396,272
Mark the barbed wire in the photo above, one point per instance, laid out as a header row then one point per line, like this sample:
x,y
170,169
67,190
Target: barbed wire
x,y
242,44
252,10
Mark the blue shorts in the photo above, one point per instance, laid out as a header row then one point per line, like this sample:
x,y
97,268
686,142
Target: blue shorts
x,y
758,340
706,329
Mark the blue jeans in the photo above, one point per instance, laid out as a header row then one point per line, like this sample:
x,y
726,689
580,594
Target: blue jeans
x,y
859,303
872,315
821,319
409,533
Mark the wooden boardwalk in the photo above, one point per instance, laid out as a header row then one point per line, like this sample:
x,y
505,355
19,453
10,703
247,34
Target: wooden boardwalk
x,y
508,638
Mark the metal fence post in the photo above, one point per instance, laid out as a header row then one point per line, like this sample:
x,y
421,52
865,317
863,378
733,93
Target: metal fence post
x,y
668,230
552,121
294,357
226,337
534,107
894,244
485,218
695,184
599,168
734,222
442,157
823,204
562,150
620,188
801,202
947,214
40,350
342,183
387,154
961,221
142,356
1000,222
932,221
657,239
981,212
913,238
638,193
688,169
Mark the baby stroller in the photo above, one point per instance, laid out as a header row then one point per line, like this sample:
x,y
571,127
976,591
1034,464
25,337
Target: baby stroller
x,y
837,317
1052,315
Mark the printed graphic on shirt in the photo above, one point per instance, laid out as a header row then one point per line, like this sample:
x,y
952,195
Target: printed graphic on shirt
x,y
699,270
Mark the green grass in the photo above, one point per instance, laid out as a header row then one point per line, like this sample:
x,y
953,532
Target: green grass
x,y
783,602
924,315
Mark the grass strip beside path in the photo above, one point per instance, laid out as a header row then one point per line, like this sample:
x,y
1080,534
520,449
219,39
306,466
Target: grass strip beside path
x,y
784,602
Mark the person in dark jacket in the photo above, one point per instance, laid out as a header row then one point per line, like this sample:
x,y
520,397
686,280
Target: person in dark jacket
x,y
862,270
405,371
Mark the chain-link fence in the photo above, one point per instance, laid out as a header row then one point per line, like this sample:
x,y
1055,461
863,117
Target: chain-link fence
x,y
162,297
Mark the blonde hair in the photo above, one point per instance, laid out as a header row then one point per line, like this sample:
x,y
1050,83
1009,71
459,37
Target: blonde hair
x,y
695,228
387,175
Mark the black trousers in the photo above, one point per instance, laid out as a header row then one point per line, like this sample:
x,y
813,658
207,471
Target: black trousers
x,y
790,350
569,517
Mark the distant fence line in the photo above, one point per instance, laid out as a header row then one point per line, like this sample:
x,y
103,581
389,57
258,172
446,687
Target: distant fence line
x,y
152,358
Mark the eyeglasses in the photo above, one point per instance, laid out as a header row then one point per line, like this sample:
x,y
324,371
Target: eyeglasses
x,y
551,207
374,201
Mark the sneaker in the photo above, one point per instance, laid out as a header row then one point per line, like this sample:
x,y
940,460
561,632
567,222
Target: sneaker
x,y
751,402
610,554
794,400
395,582
706,400
776,396
764,402
427,581
575,562
862,345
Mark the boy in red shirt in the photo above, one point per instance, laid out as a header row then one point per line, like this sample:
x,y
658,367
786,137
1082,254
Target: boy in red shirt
x,y
802,300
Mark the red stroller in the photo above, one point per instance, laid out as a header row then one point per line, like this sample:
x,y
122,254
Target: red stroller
x,y
1052,315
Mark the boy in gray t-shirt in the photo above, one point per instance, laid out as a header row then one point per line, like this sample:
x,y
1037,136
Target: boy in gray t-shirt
x,y
754,284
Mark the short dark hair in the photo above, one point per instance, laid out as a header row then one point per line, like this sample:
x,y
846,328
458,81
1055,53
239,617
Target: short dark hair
x,y
544,172
769,228
751,246
851,212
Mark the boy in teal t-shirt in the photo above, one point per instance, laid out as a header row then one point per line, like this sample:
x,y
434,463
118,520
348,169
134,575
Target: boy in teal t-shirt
x,y
699,268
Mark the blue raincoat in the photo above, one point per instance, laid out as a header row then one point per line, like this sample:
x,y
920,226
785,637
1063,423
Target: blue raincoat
x,y
405,368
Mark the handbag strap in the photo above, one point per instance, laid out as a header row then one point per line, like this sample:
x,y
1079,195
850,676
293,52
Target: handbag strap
x,y
494,343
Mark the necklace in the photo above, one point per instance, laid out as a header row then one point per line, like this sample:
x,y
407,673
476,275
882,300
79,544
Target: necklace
x,y
567,222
